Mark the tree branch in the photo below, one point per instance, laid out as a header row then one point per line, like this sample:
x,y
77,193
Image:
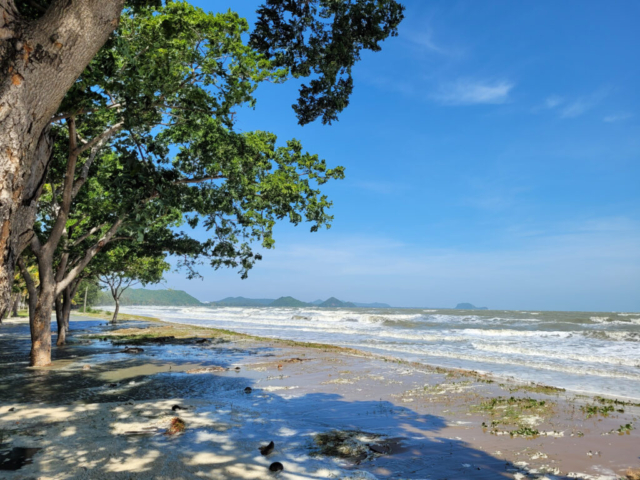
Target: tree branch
x,y
100,139
89,254
88,234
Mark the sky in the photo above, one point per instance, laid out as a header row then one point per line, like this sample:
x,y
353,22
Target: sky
x,y
492,155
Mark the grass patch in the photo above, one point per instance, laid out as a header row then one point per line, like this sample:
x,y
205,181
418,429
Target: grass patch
x,y
625,429
523,412
145,335
122,317
614,401
524,432
535,388
595,410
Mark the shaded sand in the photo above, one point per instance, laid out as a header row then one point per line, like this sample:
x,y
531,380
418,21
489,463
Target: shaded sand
x,y
330,413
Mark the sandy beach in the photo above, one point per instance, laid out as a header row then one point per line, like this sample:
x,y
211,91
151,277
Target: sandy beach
x,y
103,412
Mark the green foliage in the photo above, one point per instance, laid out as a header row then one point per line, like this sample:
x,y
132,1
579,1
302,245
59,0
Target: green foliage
x,y
626,428
160,298
162,95
595,410
90,285
323,39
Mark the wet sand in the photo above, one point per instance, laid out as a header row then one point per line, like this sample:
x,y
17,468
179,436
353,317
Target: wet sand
x,y
331,413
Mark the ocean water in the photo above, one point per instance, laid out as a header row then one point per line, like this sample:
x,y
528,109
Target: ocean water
x,y
585,352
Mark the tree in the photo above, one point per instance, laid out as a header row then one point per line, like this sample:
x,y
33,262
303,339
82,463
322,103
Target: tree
x,y
89,288
162,98
46,44
124,270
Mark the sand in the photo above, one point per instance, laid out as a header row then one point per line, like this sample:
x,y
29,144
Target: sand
x,y
330,413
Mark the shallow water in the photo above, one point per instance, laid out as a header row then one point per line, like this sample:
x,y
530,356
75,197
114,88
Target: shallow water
x,y
587,352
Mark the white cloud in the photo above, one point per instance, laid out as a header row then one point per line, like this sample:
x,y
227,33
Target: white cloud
x,y
469,92
576,108
583,104
553,101
617,117
425,42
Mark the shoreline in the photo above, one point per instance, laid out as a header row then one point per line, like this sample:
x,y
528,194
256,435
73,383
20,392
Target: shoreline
x,y
410,420
364,353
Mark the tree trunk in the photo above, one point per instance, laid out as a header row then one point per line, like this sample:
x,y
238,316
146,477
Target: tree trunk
x,y
39,61
115,312
15,305
60,321
67,295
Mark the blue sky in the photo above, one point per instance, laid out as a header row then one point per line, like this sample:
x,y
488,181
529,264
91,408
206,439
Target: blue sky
x,y
492,154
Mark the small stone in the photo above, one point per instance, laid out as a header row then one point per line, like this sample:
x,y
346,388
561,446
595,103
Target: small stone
x,y
177,407
276,467
133,350
267,449
248,390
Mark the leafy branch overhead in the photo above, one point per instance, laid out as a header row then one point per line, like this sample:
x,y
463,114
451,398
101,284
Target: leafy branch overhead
x,y
323,39
161,95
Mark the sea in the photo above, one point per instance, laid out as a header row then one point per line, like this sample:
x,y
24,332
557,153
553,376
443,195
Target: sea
x,y
591,353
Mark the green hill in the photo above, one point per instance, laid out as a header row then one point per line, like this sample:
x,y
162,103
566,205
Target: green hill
x,y
159,298
288,302
243,302
333,302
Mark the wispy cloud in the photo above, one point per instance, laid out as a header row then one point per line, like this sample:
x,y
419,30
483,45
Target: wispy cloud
x,y
471,92
424,41
577,108
618,117
582,105
553,101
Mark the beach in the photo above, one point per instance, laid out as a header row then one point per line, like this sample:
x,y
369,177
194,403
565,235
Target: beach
x,y
332,412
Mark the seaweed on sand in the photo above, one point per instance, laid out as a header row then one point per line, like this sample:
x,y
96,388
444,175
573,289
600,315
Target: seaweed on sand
x,y
351,445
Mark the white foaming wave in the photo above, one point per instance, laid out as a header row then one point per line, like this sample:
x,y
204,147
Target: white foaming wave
x,y
599,319
606,358
627,314
517,333
553,366
617,336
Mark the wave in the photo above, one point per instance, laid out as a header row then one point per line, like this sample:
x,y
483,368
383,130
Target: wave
x,y
605,358
577,369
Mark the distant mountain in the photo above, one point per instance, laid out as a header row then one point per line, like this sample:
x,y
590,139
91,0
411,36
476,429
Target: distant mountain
x,y
291,302
372,305
333,302
469,306
159,298
243,302
288,302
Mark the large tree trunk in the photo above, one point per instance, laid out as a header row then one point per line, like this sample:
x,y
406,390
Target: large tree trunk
x,y
39,61
40,323
115,312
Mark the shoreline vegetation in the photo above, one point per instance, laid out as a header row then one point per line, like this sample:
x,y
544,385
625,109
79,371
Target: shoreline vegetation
x,y
333,412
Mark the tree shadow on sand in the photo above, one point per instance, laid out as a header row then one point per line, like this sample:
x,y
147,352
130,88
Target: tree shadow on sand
x,y
224,428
